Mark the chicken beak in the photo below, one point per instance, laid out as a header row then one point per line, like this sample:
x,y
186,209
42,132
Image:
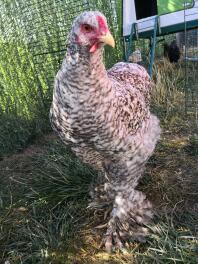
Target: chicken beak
x,y
108,39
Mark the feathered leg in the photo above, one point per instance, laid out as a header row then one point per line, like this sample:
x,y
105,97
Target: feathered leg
x,y
125,209
131,210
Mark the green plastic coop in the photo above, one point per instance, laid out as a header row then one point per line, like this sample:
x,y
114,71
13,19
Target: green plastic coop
x,y
169,6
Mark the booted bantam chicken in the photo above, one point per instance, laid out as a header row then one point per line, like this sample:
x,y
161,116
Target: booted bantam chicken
x,y
104,117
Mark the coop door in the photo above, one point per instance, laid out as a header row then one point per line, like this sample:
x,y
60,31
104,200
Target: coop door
x,y
145,8
169,6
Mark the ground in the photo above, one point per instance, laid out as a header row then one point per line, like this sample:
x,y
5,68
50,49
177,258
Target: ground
x,y
44,197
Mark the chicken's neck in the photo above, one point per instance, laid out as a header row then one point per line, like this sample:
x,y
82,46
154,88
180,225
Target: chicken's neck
x,y
88,68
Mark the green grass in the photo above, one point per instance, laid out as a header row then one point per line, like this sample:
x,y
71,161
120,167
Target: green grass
x,y
43,208
44,197
24,97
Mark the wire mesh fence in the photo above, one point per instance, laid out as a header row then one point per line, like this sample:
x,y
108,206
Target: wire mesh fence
x,y
181,76
33,36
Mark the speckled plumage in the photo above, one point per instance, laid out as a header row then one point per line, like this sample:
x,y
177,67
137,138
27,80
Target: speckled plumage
x,y
104,117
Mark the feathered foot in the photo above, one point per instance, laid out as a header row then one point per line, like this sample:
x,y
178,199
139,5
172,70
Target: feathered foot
x,y
128,219
101,193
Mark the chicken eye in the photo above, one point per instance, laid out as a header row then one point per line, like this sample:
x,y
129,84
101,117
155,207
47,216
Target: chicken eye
x,y
87,28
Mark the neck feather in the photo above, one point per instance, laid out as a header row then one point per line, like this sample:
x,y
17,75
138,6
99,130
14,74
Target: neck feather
x,y
88,68
85,65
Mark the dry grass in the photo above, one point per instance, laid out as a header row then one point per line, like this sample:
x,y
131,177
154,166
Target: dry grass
x,y
168,96
174,92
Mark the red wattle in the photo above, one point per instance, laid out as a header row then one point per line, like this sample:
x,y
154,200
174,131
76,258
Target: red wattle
x,y
93,47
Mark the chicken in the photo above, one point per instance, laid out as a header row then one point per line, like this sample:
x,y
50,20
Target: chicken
x,y
104,117
172,51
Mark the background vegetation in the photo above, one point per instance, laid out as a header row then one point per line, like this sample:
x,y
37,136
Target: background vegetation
x,y
44,189
33,38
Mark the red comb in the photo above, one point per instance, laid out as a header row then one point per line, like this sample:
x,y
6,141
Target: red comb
x,y
102,24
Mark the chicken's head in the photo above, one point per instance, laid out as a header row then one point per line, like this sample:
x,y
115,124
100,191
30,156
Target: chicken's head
x,y
90,30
